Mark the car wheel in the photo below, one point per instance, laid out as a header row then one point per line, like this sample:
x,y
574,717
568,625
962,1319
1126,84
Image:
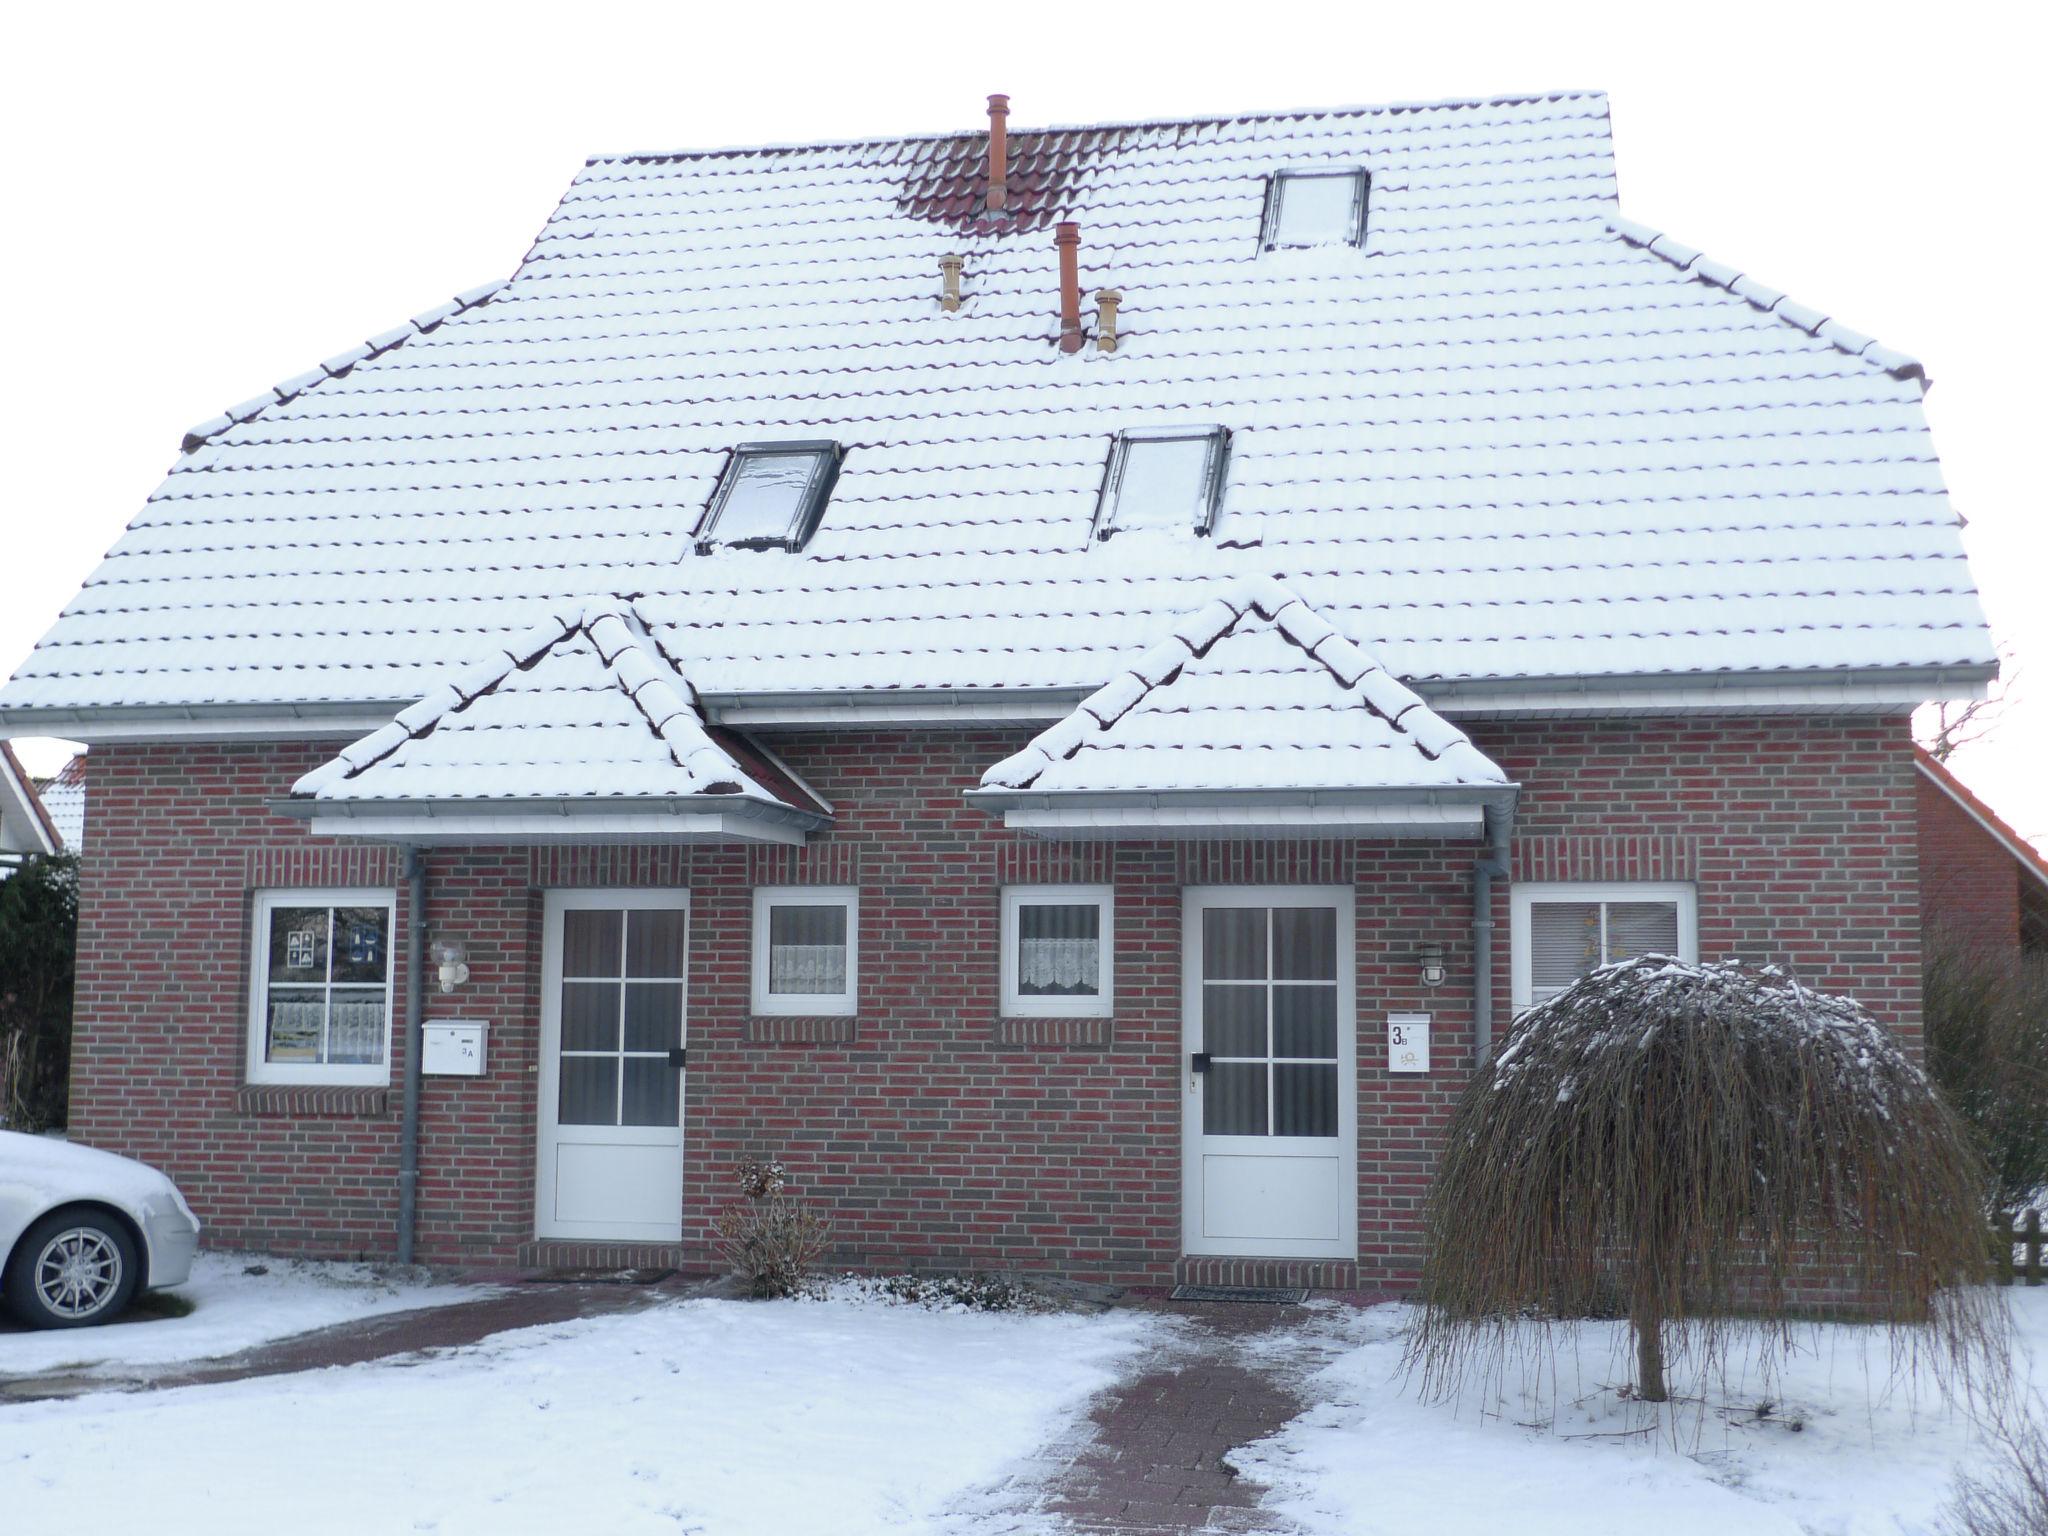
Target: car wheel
x,y
71,1269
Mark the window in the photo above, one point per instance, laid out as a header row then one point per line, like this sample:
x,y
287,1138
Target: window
x,y
806,950
1058,951
1171,478
320,987
770,496
1563,931
1306,208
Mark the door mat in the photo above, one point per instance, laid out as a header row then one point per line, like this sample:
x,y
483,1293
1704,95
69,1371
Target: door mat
x,y
1270,1295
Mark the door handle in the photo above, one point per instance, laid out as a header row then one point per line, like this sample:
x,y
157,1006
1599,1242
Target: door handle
x,y
679,1055
1199,1062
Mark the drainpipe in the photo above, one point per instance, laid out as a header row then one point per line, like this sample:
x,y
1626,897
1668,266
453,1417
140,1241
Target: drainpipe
x,y
415,1008
1493,865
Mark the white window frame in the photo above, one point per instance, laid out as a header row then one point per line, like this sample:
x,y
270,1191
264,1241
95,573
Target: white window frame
x,y
1524,895
1216,474
324,1074
1017,1004
806,1004
1361,202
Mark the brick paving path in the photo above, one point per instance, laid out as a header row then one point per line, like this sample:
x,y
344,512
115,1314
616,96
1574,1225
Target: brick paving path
x,y
1155,1466
373,1338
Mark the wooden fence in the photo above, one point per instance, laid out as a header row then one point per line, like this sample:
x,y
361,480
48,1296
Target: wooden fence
x,y
2016,1250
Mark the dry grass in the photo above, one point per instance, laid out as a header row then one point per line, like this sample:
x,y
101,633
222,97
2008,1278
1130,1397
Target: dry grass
x,y
1684,1145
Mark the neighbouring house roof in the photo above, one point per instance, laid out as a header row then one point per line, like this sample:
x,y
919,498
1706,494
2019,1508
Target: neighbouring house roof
x,y
2031,861
25,825
64,798
580,715
1253,708
1513,440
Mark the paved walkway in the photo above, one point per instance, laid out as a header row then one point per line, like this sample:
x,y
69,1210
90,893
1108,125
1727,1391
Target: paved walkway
x,y
382,1337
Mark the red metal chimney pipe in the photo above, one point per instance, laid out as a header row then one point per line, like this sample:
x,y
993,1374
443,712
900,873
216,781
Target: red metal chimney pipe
x,y
1069,238
998,153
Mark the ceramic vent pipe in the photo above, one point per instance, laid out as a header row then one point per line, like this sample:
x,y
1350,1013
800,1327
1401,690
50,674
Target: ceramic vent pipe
x,y
1106,302
998,153
1069,239
949,281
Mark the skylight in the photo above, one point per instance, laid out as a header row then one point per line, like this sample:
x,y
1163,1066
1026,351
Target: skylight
x,y
770,496
1306,208
1170,478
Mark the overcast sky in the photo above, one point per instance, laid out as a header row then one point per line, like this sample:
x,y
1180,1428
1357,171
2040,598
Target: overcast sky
x,y
207,199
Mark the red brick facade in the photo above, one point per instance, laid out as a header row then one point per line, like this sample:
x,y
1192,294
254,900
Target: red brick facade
x,y
1972,889
934,1132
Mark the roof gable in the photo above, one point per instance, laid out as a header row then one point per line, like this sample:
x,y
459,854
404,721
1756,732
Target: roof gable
x,y
1253,691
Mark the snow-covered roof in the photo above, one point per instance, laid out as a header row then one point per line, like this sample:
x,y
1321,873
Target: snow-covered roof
x,y
1255,690
64,798
581,711
1509,439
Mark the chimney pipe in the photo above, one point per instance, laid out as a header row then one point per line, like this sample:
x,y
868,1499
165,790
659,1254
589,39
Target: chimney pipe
x,y
998,153
949,279
1106,301
1069,239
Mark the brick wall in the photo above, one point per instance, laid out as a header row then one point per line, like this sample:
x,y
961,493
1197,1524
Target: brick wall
x,y
1969,885
935,1133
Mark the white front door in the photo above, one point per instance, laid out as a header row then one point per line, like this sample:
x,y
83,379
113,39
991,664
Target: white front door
x,y
1270,1072
614,986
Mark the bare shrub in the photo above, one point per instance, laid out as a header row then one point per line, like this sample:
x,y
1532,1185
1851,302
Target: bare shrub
x,y
2011,1500
1684,1145
1987,1046
771,1239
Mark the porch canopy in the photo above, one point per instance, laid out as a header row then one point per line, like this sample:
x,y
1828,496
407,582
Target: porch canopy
x,y
1254,717
578,731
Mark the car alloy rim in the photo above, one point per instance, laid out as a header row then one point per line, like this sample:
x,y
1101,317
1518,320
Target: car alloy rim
x,y
78,1272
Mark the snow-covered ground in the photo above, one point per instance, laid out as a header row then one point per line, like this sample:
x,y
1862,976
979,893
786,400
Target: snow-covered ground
x,y
232,1310
1839,1452
829,1418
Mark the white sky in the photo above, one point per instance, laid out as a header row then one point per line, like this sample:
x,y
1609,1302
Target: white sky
x,y
208,199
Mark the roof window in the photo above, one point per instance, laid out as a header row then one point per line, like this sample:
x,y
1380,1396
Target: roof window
x,y
1163,478
770,496
1305,208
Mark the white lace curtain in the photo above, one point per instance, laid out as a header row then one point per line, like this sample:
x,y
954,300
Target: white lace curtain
x,y
1059,948
807,967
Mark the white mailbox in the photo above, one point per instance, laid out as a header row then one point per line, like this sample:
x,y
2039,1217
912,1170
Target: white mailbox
x,y
1407,1042
453,1047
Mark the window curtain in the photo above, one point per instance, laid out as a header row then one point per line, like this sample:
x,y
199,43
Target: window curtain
x,y
1059,950
807,949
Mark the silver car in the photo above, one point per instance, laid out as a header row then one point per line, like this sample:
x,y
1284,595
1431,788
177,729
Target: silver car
x,y
83,1232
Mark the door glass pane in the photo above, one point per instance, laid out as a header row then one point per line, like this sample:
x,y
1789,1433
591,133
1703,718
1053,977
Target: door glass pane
x,y
1305,1021
362,943
590,1015
1305,943
292,1027
1234,943
1305,1100
1234,1099
355,1031
654,943
298,943
590,943
1059,950
653,1089
1234,1020
654,1015
1641,928
807,948
1564,944
590,1090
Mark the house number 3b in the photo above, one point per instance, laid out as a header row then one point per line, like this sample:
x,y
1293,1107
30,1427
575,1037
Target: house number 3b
x,y
1407,1042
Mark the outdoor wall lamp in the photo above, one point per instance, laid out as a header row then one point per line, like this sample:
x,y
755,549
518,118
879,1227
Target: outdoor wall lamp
x,y
1431,959
450,956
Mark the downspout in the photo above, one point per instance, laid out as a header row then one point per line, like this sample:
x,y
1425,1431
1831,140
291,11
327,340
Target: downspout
x,y
415,1008
1485,870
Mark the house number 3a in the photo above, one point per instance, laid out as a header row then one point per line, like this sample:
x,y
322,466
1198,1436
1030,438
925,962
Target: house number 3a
x,y
1407,1042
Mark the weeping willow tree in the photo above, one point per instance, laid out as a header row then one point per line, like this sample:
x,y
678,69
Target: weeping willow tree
x,y
1688,1146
